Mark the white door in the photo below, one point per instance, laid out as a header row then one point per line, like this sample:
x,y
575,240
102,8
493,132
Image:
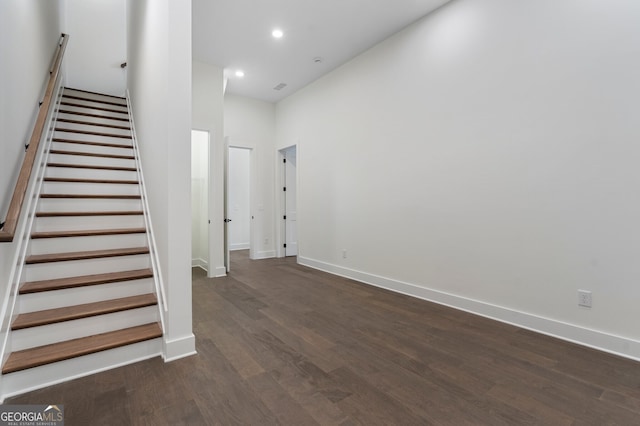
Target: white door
x,y
290,202
227,257
239,208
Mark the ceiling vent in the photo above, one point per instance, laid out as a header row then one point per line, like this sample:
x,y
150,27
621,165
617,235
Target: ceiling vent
x,y
280,86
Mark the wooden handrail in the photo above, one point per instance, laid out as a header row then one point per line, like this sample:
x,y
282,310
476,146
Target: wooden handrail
x,y
13,214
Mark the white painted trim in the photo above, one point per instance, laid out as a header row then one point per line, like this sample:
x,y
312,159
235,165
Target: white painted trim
x,y
239,246
219,271
179,348
151,240
265,255
200,263
606,342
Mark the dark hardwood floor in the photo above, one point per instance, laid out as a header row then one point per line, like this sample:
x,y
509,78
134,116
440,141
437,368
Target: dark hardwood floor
x,y
282,344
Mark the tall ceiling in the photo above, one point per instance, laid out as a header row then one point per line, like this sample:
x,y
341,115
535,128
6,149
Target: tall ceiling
x,y
319,35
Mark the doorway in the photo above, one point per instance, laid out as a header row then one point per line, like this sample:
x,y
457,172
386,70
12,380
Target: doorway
x,y
200,199
290,200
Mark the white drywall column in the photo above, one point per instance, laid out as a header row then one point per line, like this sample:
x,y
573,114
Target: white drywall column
x,y
159,56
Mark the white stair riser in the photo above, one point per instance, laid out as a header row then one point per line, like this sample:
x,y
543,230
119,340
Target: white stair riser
x,y
90,188
73,223
106,114
50,374
75,173
90,119
73,268
74,296
66,146
91,161
104,242
89,205
88,103
92,128
67,330
95,96
90,138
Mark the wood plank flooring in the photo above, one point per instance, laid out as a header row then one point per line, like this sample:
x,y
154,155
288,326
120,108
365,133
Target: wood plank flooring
x,y
282,344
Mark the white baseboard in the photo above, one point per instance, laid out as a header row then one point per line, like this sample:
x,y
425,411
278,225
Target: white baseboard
x,y
595,339
200,263
264,255
179,348
239,246
219,271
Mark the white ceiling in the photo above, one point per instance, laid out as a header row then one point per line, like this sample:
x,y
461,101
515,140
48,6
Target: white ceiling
x,y
236,34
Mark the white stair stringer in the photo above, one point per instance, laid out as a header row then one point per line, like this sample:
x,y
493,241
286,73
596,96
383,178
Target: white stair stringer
x,y
90,202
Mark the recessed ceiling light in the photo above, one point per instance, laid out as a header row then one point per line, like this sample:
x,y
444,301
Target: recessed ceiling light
x,y
240,73
277,33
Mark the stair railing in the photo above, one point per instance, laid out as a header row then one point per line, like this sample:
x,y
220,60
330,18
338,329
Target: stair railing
x,y
151,240
27,188
8,230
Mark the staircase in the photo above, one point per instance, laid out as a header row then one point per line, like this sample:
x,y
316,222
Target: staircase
x,y
88,299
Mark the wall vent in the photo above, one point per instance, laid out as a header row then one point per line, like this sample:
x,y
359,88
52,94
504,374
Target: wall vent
x,y
280,86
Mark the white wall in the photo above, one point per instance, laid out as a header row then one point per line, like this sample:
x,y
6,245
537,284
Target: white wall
x,y
200,199
208,116
98,45
159,57
251,123
487,158
29,33
239,199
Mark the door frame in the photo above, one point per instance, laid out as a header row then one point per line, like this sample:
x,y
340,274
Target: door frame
x,y
210,237
280,198
234,143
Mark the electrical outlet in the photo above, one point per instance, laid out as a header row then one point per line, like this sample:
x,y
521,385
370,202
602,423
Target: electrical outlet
x,y
344,254
584,298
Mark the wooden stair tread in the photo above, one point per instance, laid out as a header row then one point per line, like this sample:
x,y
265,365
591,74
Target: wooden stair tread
x,y
61,351
68,313
92,196
91,123
80,98
91,166
97,213
88,114
81,255
73,104
104,144
91,154
80,180
84,281
87,233
88,132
